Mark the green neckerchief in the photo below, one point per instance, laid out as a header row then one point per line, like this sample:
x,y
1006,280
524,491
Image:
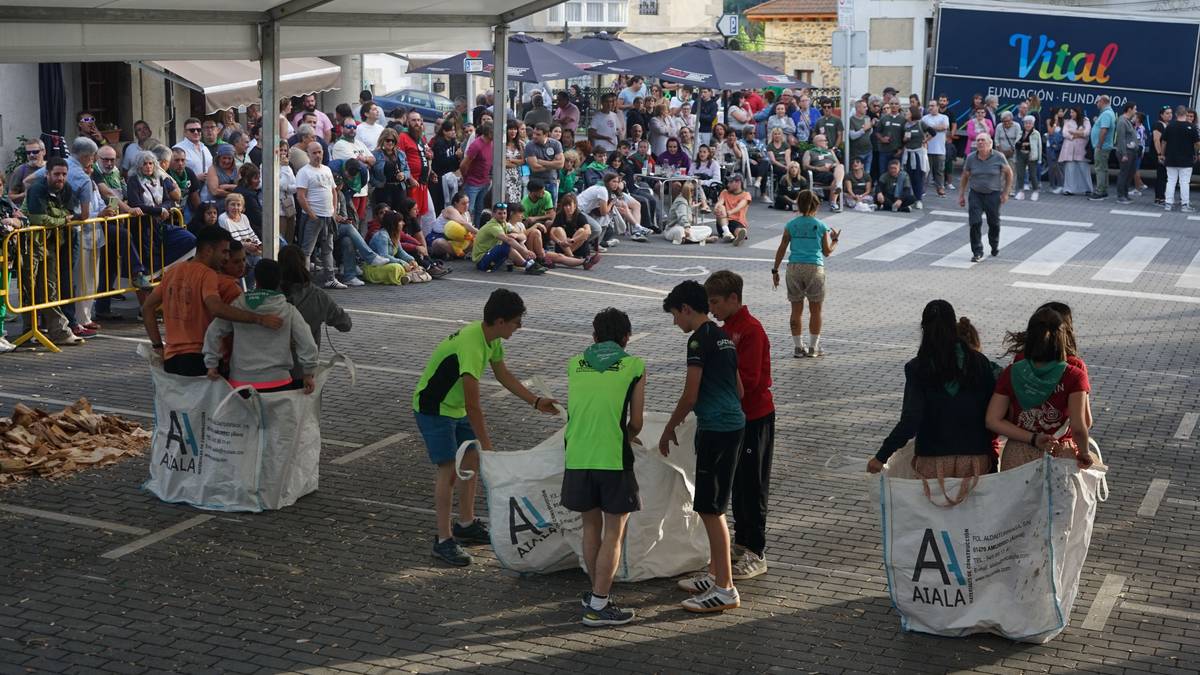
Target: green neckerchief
x,y
112,179
181,180
959,356
1034,384
256,297
599,166
602,355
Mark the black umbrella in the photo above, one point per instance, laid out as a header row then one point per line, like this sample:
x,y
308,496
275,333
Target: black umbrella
x,y
702,63
603,46
530,59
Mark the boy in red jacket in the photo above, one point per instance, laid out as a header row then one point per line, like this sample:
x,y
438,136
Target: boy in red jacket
x,y
753,476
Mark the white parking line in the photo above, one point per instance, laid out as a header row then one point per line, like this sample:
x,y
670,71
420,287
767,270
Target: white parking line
x,y
1184,502
1107,291
142,543
910,241
594,280
1153,498
961,258
554,288
1187,425
461,322
339,444
1128,263
402,507
1104,602
1191,276
853,234
369,449
1018,219
73,520
1161,611
1054,255
23,398
1141,214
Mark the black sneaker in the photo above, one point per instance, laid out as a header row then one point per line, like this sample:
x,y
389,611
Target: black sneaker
x,y
450,552
976,258
995,251
475,533
611,615
1097,197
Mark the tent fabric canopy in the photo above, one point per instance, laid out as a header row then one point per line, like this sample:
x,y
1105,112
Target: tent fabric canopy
x,y
702,63
229,84
530,59
602,46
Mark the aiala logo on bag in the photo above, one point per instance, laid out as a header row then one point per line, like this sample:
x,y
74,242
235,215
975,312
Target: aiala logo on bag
x,y
180,434
519,521
930,558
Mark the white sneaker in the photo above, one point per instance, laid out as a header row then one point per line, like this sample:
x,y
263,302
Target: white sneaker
x,y
1033,197
727,237
800,352
601,249
1186,209
1057,191
612,242
1135,193
378,260
354,281
736,552
698,584
713,600
1020,195
918,206
334,284
6,346
749,566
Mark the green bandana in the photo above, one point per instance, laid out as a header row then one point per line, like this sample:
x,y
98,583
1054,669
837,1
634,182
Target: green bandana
x,y
1033,384
959,356
181,180
602,355
256,297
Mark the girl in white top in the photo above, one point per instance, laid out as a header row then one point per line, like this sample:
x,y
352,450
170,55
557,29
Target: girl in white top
x,y
287,195
678,228
708,170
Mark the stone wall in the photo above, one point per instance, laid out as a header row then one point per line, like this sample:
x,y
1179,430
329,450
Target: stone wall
x,y
807,45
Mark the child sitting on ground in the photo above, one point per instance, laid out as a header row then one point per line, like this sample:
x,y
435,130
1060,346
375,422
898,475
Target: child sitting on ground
x,y
494,245
262,357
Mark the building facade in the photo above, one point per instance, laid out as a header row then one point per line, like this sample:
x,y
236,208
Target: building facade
x,y
652,25
803,31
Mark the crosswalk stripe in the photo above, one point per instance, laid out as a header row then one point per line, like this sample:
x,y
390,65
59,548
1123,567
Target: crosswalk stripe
x,y
1128,263
1141,214
907,243
1055,254
853,234
1005,218
1191,276
961,258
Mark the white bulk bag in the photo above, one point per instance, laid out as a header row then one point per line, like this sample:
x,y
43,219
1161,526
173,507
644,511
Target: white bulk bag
x,y
1006,560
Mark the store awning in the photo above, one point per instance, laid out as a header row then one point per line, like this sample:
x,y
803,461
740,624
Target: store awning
x,y
228,84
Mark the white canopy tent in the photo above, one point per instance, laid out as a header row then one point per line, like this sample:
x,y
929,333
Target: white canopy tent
x,y
229,84
263,31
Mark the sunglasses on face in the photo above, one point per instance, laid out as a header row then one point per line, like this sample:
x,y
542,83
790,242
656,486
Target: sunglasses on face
x,y
87,120
31,153
193,130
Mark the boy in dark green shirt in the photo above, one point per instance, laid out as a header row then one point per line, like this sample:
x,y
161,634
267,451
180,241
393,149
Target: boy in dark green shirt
x,y
713,389
606,389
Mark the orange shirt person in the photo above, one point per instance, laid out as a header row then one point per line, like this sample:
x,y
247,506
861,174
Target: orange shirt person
x,y
189,296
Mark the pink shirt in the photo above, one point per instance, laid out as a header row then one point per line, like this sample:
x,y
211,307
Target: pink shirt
x,y
479,172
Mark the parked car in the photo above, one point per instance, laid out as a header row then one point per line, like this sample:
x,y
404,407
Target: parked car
x,y
433,107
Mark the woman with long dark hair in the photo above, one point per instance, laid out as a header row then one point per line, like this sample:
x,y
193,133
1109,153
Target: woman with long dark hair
x,y
946,392
1041,401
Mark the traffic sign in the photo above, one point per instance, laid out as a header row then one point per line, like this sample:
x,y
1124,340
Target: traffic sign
x,y
471,65
856,55
845,14
729,25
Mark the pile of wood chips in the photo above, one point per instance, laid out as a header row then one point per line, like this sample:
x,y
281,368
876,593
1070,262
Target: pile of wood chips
x,y
34,442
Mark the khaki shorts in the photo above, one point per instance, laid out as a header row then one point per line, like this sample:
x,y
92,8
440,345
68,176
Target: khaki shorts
x,y
805,282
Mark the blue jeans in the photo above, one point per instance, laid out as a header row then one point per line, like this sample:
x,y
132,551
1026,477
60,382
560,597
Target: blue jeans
x,y
552,187
493,258
443,435
353,249
478,196
866,160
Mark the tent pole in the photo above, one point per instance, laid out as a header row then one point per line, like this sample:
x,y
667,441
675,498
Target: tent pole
x,y
500,111
269,96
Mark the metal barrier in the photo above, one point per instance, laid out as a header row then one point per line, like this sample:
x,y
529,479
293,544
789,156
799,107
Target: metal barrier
x,y
79,262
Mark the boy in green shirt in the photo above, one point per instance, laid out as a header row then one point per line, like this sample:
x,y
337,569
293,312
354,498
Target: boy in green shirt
x,y
713,389
446,406
606,389
493,245
538,204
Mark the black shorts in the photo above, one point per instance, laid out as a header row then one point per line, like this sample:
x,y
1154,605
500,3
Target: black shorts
x,y
716,463
735,225
608,490
823,178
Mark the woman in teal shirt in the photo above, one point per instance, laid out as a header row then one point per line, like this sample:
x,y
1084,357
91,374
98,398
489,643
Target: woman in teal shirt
x,y
809,242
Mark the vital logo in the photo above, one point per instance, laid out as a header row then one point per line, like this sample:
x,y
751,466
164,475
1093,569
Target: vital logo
x,y
930,558
1055,62
182,452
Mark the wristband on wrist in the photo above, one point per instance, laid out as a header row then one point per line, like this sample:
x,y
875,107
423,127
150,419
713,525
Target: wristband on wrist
x,y
774,270
537,401
1033,439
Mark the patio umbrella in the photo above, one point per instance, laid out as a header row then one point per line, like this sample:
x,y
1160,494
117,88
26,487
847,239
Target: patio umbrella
x,y
530,59
702,63
604,47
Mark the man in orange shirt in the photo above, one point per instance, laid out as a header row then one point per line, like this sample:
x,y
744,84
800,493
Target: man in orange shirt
x,y
190,297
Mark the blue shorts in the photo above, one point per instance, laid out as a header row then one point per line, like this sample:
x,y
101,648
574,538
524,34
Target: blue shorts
x,y
443,435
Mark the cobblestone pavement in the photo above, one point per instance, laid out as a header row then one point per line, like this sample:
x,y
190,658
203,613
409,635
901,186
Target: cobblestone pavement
x,y
344,580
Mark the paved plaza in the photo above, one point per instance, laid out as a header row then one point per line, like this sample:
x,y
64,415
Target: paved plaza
x,y
101,576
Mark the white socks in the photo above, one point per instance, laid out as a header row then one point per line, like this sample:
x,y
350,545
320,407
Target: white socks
x,y
816,342
798,341
598,602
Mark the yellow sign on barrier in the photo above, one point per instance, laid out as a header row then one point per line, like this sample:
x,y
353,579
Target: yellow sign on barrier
x,y
79,262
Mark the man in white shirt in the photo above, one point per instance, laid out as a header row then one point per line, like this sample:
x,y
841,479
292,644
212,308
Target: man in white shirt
x,y
199,159
141,134
636,89
370,128
608,125
935,147
348,145
316,193
683,99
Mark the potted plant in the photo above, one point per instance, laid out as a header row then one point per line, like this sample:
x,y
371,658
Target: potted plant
x,y
110,132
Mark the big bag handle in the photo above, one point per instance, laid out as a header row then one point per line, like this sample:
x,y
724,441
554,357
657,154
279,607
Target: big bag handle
x,y
465,474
